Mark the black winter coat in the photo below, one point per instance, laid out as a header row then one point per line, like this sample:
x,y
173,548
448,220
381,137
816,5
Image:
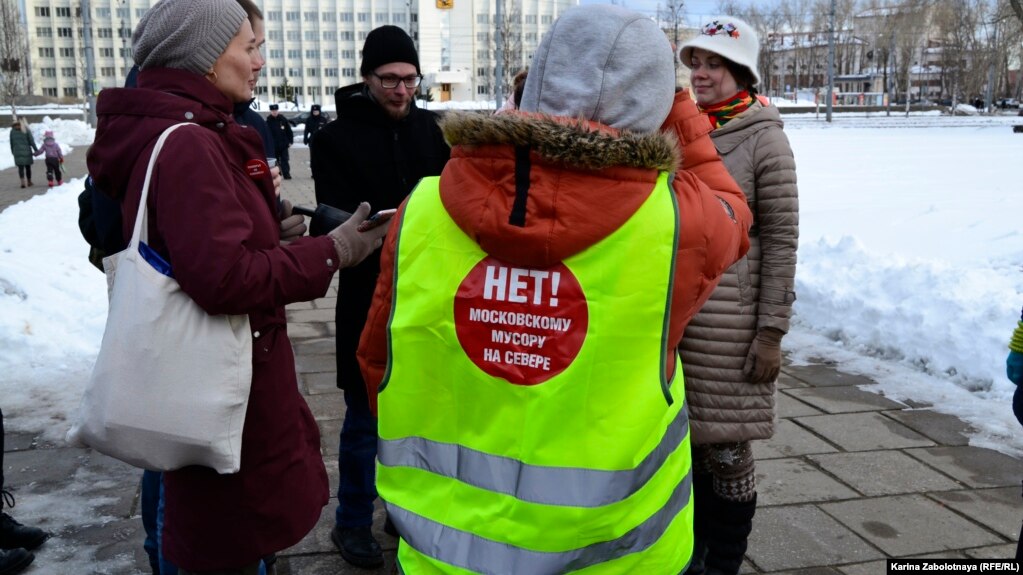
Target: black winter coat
x,y
312,125
280,130
365,155
246,116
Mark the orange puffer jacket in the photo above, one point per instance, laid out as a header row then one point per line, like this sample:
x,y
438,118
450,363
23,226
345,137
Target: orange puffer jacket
x,y
586,179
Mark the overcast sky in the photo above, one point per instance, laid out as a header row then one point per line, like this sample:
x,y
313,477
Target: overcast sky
x,y
693,8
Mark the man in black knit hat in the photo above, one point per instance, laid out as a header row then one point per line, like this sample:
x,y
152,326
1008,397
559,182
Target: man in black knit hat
x,y
376,150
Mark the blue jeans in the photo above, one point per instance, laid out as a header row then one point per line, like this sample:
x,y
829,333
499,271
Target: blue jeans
x,y
152,521
356,460
1017,409
1017,404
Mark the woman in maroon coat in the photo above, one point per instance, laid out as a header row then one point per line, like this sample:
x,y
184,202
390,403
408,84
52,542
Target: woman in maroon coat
x,y
213,215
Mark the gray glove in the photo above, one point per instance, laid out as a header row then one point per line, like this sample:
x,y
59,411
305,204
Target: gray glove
x,y
764,359
352,245
292,224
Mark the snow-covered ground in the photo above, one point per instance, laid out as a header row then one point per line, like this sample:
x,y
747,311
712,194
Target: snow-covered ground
x,y
911,259
910,269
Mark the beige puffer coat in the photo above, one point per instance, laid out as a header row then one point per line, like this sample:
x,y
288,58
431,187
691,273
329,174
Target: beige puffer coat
x,y
756,292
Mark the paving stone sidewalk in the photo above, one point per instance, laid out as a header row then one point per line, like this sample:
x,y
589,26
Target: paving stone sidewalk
x,y
850,479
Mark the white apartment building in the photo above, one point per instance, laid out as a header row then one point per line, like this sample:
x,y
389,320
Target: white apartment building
x,y
314,46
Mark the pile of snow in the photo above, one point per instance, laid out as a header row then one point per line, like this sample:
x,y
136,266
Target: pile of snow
x,y
909,263
965,110
53,308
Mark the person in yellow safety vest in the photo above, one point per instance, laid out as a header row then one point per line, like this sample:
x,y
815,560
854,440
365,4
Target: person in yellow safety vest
x,y
520,349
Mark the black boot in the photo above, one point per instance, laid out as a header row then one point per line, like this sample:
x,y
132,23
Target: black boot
x,y
14,561
728,533
14,535
358,546
703,493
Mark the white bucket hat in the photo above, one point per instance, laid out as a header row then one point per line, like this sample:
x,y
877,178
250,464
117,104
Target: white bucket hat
x,y
729,37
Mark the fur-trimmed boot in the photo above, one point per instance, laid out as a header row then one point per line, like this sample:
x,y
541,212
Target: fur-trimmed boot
x,y
703,494
23,182
728,535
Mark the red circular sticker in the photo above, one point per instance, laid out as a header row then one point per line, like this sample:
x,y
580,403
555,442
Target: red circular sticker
x,y
521,324
257,168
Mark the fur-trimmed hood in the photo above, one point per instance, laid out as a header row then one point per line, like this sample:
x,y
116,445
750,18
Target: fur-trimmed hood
x,y
584,181
579,143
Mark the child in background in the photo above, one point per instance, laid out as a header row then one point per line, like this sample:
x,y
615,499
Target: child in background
x,y
1014,371
54,159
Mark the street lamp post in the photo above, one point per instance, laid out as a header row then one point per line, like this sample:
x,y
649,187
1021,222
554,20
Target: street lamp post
x,y
889,69
499,53
831,60
909,83
125,33
90,61
124,49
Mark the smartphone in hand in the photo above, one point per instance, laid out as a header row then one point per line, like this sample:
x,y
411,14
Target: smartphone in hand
x,y
376,219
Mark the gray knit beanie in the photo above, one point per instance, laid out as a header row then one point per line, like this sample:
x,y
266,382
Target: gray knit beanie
x,y
603,63
186,34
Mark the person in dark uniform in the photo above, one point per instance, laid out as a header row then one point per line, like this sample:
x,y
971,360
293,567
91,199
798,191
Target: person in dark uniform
x,y
280,130
314,124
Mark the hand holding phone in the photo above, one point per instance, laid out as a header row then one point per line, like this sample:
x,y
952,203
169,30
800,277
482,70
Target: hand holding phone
x,y
377,219
352,243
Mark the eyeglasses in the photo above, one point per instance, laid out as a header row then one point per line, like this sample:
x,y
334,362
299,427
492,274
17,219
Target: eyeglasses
x,y
390,82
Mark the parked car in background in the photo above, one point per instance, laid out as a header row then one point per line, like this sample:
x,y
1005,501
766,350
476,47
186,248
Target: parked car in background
x,y
301,117
1008,103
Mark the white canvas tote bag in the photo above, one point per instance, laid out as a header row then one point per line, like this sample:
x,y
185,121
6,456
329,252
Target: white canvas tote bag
x,y
171,382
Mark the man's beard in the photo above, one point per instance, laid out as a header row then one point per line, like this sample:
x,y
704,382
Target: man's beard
x,y
399,115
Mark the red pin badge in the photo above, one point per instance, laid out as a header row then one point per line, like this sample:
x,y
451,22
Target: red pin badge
x,y
257,168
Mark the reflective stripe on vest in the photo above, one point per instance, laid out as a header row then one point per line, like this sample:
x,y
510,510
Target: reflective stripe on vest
x,y
526,422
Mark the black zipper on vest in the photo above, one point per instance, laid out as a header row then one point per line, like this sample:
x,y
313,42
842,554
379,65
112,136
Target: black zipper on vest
x,y
522,168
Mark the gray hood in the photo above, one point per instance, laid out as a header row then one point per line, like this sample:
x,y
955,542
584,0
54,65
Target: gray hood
x,y
603,63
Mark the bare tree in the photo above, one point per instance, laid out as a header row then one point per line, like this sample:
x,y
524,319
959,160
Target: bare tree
x,y
793,16
1017,9
672,18
774,47
14,68
875,27
1009,29
967,36
512,52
